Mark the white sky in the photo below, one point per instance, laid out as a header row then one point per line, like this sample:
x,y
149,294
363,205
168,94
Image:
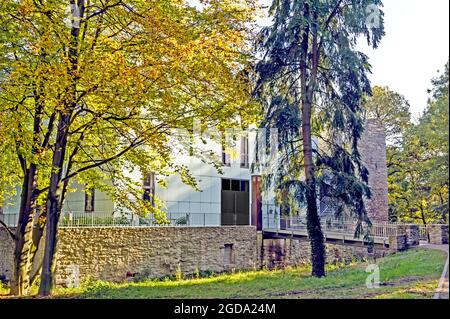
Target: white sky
x,y
415,47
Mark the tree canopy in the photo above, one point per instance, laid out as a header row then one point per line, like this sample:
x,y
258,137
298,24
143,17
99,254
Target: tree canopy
x,y
390,109
93,89
419,167
312,80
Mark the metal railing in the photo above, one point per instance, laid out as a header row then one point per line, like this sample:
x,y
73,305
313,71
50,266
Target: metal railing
x,y
115,219
10,220
330,226
423,233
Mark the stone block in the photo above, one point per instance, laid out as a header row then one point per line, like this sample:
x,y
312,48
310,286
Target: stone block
x,y
438,234
412,235
398,243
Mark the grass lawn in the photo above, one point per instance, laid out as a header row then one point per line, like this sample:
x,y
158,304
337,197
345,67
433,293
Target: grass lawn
x,y
413,274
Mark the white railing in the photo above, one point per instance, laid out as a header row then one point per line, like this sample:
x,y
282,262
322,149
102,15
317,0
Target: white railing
x,y
10,220
331,226
111,219
384,229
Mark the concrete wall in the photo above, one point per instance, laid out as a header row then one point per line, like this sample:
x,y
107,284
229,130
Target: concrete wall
x,y
76,200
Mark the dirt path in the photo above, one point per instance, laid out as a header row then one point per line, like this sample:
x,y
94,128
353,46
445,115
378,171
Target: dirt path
x,y
442,291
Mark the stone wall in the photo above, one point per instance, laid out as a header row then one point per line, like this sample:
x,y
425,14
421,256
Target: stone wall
x,y
6,254
110,253
412,235
398,243
438,234
276,253
372,147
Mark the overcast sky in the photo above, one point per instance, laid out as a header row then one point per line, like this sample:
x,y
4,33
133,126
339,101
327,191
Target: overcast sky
x,y
415,47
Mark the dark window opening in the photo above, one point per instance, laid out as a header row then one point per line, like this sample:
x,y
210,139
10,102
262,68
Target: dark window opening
x,y
149,187
244,152
244,186
235,185
226,184
226,158
89,201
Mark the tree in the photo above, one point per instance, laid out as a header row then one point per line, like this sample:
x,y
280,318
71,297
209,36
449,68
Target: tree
x,y
390,109
419,172
312,81
88,95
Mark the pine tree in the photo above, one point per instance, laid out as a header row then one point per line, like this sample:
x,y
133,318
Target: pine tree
x,y
311,79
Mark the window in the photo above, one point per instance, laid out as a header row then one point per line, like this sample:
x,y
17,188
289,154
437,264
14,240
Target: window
x,y
235,185
226,158
244,186
226,184
89,200
244,152
149,188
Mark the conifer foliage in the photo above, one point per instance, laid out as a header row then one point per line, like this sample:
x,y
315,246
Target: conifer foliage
x,y
311,80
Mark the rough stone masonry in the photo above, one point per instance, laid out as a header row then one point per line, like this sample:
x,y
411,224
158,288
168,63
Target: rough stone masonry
x,y
109,254
372,147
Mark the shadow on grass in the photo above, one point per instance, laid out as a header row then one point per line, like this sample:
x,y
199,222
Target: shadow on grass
x,y
401,275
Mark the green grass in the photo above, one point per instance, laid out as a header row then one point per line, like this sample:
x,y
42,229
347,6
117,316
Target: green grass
x,y
413,274
3,290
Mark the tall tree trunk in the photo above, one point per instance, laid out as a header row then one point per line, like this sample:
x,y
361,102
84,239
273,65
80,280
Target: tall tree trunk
x,y
56,190
307,93
313,220
23,256
38,233
54,198
20,284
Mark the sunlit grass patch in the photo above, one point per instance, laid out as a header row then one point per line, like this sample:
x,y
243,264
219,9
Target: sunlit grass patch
x,y
411,274
420,290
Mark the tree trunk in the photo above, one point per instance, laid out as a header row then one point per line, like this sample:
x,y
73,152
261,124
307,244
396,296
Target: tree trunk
x,y
54,198
424,221
20,284
56,191
313,220
38,233
24,253
307,93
